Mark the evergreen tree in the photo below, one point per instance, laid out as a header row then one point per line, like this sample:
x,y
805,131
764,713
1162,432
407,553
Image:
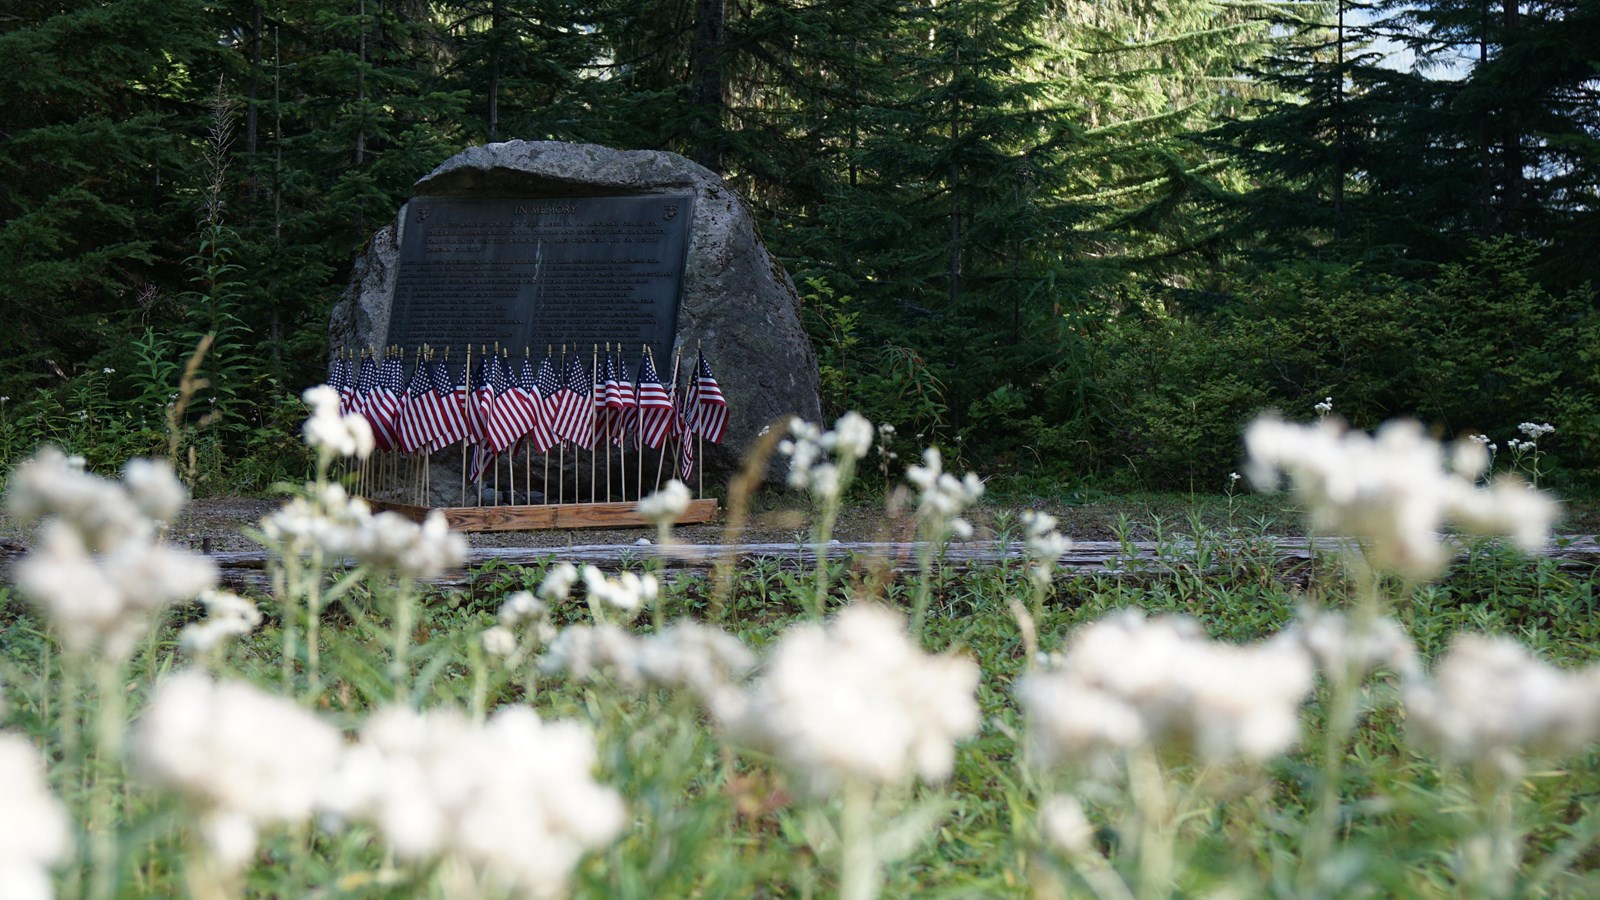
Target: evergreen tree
x,y
92,98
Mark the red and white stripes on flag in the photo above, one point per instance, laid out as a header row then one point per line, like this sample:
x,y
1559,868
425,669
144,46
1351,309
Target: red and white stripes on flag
x,y
528,394
412,428
512,414
709,417
574,407
627,409
656,414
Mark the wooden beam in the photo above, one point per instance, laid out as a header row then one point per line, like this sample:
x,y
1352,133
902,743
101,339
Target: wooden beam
x,y
547,516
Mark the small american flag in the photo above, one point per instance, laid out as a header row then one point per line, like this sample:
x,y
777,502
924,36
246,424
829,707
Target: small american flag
x,y
529,393
411,425
480,402
622,418
446,419
383,405
574,420
510,417
710,413
655,407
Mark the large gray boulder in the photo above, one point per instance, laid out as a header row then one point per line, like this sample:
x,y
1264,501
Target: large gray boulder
x,y
738,303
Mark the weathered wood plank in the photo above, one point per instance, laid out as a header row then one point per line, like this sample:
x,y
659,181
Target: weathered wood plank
x,y
247,569
474,519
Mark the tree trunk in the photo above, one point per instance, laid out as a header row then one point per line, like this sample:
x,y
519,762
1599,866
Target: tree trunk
x,y
494,69
706,84
1510,136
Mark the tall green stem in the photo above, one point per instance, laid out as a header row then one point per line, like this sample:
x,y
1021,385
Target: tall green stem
x,y
858,863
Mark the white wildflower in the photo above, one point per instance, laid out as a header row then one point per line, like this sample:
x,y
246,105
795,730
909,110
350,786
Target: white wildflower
x,y
1490,701
330,433
857,700
513,798
1126,680
819,462
241,757
685,654
1065,825
327,520
851,436
1044,545
35,830
102,512
666,505
943,496
105,602
1535,431
1392,490
108,371
627,592
520,608
1325,407
499,641
228,615
390,542
557,585
155,490
1341,649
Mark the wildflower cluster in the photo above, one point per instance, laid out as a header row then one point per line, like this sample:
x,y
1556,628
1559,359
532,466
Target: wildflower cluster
x,y
35,832
512,798
1044,546
100,570
332,434
329,521
821,461
1393,489
666,505
1127,681
943,496
1490,701
521,610
856,700
228,615
240,757
685,654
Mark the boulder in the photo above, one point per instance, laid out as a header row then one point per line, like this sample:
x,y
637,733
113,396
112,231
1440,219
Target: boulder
x,y
738,303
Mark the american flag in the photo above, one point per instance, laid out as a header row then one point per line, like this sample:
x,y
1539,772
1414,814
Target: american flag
x,y
342,378
605,381
383,404
365,382
574,418
510,417
411,425
549,388
480,400
685,438
709,415
627,404
529,393
655,406
447,422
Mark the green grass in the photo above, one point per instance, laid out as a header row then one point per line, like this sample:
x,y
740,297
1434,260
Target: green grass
x,y
709,823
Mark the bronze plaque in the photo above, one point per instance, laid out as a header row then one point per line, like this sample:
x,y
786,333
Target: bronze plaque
x,y
573,271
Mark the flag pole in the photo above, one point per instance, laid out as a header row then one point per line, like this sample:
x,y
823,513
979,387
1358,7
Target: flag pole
x,y
561,461
466,418
527,449
594,420
672,394
621,429
638,433
603,439
699,433
543,401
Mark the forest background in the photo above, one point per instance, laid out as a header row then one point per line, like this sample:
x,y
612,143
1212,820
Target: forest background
x,y
1071,242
